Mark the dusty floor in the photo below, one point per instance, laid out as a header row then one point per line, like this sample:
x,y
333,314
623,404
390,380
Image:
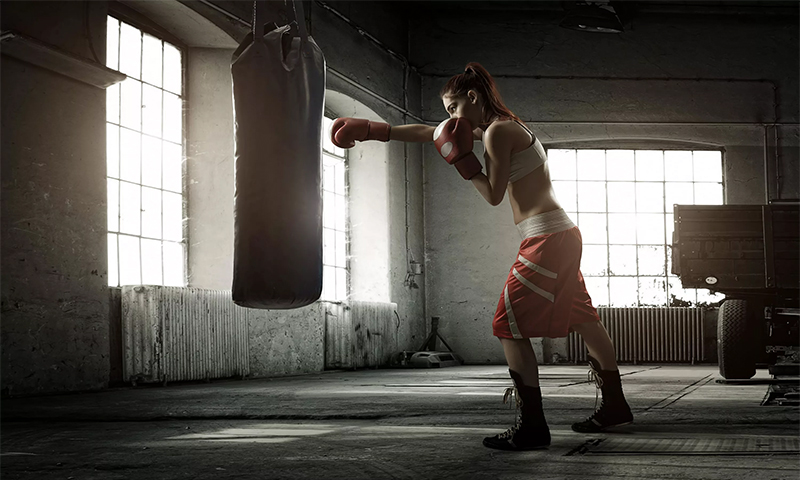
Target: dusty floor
x,y
400,424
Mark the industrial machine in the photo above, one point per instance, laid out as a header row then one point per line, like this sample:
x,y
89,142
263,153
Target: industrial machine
x,y
751,254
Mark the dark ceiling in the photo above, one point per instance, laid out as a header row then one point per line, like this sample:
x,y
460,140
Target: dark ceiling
x,y
642,6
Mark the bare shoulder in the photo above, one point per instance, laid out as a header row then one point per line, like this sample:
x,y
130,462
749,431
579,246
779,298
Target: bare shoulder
x,y
498,130
506,131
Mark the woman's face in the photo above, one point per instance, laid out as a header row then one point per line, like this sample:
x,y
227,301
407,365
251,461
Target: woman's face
x,y
464,106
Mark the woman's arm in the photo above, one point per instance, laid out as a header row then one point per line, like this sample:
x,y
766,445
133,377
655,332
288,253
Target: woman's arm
x,y
412,133
421,133
492,186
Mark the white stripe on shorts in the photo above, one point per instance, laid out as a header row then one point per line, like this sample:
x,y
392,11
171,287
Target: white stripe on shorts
x,y
537,268
512,320
533,287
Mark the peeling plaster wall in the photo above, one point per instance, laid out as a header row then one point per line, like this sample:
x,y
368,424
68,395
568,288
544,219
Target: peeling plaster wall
x,y
281,342
362,61
285,342
209,151
470,245
377,182
55,299
55,295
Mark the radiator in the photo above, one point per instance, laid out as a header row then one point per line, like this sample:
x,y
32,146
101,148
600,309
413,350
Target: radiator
x,y
360,334
179,333
649,335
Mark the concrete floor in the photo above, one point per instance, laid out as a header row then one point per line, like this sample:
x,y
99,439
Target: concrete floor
x,y
376,424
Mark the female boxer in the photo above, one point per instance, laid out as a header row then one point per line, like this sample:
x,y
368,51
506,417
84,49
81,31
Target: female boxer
x,y
544,295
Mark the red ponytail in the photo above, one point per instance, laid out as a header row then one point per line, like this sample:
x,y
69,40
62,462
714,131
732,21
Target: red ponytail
x,y
475,77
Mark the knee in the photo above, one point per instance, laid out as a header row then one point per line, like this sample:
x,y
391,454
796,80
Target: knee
x,y
515,342
578,328
581,328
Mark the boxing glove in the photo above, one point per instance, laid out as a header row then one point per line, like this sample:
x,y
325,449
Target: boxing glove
x,y
345,131
453,139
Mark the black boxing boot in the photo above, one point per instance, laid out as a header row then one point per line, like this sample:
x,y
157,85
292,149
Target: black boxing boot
x,y
531,431
614,410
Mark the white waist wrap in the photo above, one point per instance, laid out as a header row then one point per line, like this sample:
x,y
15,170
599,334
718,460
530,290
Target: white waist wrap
x,y
553,221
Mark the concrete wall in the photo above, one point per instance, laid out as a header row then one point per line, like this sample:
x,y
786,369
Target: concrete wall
x,y
54,221
548,74
377,175
55,298
353,56
209,151
287,342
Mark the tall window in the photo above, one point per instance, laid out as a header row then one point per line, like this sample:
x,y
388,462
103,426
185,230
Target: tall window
x,y
335,273
144,117
622,200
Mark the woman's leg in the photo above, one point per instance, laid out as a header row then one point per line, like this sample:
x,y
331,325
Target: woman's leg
x,y
598,343
614,409
531,431
521,359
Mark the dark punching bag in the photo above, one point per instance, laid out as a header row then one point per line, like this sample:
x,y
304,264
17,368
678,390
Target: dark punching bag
x,y
278,97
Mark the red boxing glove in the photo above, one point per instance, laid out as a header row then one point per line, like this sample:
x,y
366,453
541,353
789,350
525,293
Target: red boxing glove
x,y
453,139
345,131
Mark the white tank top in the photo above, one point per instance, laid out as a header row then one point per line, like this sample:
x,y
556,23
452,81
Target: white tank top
x,y
528,160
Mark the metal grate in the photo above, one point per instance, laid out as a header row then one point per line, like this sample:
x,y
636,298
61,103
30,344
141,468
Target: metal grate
x,y
649,335
177,333
756,445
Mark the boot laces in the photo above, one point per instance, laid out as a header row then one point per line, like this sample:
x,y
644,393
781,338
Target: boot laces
x,y
508,433
594,377
512,392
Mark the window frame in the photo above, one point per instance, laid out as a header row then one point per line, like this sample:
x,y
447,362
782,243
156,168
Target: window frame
x,y
123,13
668,211
348,228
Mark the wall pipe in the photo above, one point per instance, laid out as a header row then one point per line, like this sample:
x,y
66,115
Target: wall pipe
x,y
766,165
404,111
407,114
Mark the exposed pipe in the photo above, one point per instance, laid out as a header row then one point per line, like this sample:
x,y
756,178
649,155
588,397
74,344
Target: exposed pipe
x,y
405,111
570,142
338,74
361,31
647,79
766,164
778,170
570,123
534,122
407,114
778,174
377,96
566,123
409,254
228,14
666,124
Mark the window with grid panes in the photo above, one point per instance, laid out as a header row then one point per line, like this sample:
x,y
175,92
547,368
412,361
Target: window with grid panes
x,y
335,271
144,117
622,201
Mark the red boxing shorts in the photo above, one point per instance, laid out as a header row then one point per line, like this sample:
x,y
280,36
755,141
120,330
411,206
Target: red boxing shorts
x,y
545,293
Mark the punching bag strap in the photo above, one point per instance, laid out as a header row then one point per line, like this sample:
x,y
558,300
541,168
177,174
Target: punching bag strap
x,y
300,18
259,14
299,15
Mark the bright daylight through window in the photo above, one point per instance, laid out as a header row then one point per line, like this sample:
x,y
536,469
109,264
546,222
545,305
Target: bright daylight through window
x,y
144,117
622,201
334,219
